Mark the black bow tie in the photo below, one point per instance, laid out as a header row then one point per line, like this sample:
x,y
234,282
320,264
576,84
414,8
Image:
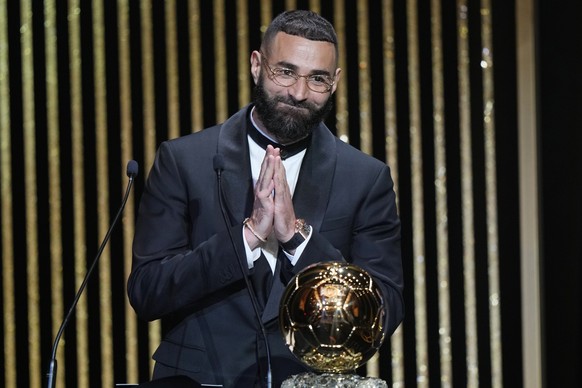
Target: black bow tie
x,y
286,150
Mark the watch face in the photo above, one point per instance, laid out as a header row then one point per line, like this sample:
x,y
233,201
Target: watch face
x,y
299,224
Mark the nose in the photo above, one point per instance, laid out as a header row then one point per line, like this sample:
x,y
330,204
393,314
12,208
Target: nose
x,y
299,90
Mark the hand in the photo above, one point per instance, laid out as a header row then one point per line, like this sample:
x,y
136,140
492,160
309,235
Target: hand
x,y
284,217
273,205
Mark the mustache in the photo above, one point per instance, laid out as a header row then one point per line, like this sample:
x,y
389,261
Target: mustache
x,y
288,100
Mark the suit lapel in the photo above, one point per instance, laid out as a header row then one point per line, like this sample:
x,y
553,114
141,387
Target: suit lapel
x,y
315,178
236,177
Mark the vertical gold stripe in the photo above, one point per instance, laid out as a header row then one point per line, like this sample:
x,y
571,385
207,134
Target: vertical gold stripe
x,y
529,223
244,75
417,196
391,142
315,5
81,314
55,219
372,367
172,70
220,80
266,14
197,103
102,192
491,190
341,93
440,170
149,120
149,101
467,205
364,78
397,362
290,4
8,294
390,90
128,220
30,175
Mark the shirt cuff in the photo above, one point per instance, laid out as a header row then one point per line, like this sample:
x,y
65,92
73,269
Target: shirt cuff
x,y
252,255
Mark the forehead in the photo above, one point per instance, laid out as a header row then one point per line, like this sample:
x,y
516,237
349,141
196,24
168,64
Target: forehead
x,y
303,53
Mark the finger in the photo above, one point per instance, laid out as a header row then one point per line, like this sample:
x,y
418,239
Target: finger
x,y
284,213
280,177
274,151
265,179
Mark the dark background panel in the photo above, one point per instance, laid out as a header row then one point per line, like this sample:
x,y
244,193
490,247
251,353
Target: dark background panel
x,y
560,101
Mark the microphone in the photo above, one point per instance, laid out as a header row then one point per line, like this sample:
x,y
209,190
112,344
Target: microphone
x,y
132,170
218,164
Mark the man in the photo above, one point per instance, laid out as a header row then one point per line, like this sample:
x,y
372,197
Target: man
x,y
293,194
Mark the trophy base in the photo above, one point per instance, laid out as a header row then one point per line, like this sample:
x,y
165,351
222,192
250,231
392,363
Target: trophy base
x,y
332,380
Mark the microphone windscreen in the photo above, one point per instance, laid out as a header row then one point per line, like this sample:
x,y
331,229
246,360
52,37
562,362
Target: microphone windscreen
x,y
132,168
218,162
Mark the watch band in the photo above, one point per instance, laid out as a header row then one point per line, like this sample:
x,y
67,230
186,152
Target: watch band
x,y
302,231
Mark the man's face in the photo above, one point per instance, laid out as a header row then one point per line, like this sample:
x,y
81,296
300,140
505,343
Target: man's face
x,y
289,113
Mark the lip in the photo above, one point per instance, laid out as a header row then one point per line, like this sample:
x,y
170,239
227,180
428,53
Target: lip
x,y
284,105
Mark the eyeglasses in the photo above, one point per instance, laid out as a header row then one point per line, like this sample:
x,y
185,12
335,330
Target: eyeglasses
x,y
320,83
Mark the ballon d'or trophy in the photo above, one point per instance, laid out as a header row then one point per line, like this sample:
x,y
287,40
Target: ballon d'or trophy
x,y
332,318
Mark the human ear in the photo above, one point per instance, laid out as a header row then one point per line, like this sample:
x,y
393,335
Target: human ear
x,y
255,65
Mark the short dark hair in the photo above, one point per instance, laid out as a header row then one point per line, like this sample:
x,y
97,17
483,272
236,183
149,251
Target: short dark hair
x,y
303,23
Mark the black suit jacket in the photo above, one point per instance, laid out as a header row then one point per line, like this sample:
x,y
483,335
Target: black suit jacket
x,y
185,268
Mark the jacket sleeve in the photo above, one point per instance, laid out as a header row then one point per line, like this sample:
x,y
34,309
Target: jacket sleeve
x,y
170,272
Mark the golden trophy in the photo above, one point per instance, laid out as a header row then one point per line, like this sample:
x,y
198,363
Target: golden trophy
x,y
332,318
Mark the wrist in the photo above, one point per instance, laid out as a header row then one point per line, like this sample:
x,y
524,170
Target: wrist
x,y
302,231
250,231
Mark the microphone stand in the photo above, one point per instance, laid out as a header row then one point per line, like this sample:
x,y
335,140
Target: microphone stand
x,y
132,169
218,167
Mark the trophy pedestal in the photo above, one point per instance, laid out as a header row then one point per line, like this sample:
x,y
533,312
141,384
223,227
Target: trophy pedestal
x,y
332,380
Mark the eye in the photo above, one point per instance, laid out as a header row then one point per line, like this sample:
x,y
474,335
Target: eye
x,y
320,79
285,73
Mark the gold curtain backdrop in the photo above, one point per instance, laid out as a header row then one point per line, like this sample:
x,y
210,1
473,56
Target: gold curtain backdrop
x,y
85,86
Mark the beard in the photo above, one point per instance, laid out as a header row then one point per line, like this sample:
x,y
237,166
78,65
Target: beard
x,y
294,121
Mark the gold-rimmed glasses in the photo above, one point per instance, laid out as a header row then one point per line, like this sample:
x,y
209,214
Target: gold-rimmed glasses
x,y
320,83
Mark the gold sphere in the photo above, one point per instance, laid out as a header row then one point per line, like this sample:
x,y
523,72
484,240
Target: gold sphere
x,y
332,317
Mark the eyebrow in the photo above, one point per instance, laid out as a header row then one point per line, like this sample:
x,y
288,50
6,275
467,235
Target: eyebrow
x,y
293,67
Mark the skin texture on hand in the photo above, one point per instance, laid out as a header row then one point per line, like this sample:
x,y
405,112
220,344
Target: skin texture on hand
x,y
273,204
